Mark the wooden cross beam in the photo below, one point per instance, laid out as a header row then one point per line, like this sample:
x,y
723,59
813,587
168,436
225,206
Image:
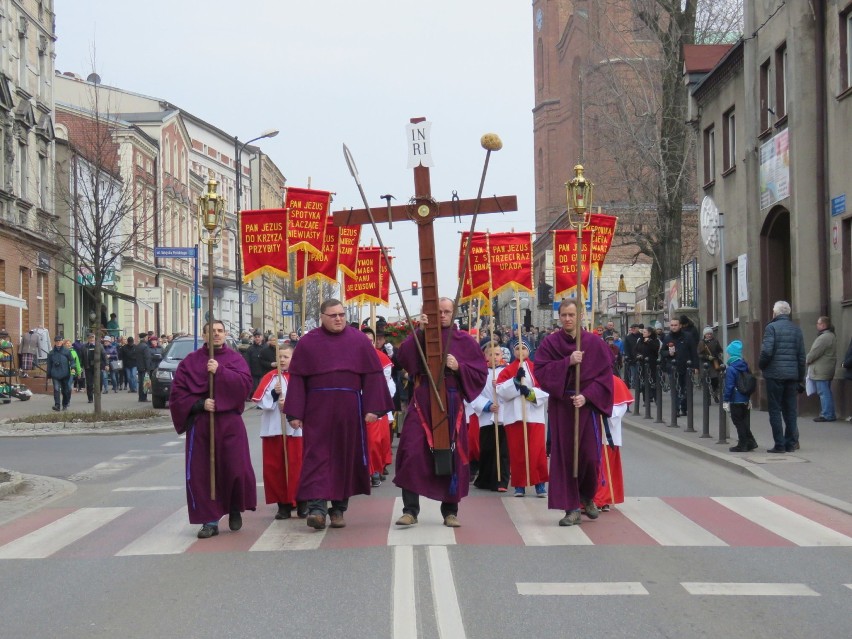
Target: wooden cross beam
x,y
423,210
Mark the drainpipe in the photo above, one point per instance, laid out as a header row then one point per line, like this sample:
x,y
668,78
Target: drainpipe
x,y
821,182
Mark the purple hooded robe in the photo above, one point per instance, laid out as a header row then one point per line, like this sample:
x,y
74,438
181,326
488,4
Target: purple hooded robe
x,y
415,466
335,380
236,488
557,377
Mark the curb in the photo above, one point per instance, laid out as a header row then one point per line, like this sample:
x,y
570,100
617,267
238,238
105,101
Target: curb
x,y
10,482
739,465
136,426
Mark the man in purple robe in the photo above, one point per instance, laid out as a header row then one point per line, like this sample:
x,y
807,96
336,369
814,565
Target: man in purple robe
x,y
556,363
190,406
336,387
464,378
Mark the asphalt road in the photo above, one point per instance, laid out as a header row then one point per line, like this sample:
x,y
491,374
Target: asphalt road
x,y
681,559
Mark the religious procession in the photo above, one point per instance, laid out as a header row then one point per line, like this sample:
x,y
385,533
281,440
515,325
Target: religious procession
x,y
467,410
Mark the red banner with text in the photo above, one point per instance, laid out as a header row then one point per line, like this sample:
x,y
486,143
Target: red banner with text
x,y
478,272
602,229
322,267
263,243
565,262
511,261
347,249
306,213
368,285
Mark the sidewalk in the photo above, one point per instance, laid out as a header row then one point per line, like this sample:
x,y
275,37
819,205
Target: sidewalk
x,y
818,470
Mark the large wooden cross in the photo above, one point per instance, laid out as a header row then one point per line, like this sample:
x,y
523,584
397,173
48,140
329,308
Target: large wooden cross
x,y
423,210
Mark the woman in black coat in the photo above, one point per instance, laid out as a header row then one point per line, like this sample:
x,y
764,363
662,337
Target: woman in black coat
x,y
648,350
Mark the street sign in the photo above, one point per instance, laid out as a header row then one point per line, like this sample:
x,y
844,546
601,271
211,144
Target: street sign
x,y
838,205
175,251
252,298
149,294
287,308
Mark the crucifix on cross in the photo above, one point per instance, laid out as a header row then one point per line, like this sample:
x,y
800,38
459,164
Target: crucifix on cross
x,y
423,210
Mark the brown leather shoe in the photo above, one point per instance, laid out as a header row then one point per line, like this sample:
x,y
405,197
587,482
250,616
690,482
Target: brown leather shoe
x,y
407,519
337,520
316,520
451,521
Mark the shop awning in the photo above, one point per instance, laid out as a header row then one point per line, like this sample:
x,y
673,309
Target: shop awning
x,y
11,300
109,291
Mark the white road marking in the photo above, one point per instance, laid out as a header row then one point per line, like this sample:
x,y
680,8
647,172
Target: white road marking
x,y
429,529
784,522
53,537
289,534
404,601
538,526
142,489
104,469
447,611
582,589
750,590
665,524
172,536
172,444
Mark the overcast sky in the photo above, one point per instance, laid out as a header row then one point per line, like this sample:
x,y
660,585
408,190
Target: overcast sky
x,y
332,72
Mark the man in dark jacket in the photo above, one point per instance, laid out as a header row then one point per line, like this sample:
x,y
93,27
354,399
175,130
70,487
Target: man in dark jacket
x,y
143,363
630,342
680,354
257,359
59,365
782,360
93,376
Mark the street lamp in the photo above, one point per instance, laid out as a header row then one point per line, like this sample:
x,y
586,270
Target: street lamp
x,y
238,155
211,210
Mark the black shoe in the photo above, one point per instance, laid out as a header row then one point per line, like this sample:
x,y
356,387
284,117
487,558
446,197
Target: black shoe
x,y
65,407
796,446
56,407
375,480
235,521
776,450
301,509
283,511
751,446
738,449
207,531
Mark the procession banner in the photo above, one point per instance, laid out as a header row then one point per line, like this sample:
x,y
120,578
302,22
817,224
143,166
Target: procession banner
x,y
306,213
385,279
478,273
263,243
511,261
565,262
323,267
365,287
347,249
602,229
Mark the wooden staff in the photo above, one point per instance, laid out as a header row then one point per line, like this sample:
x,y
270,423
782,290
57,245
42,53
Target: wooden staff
x,y
523,399
579,329
494,403
283,418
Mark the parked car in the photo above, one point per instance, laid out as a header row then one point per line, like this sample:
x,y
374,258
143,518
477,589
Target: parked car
x,y
161,380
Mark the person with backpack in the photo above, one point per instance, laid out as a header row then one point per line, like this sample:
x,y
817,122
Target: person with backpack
x,y
736,397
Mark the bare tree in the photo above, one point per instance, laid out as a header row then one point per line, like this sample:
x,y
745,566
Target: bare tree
x,y
635,101
110,206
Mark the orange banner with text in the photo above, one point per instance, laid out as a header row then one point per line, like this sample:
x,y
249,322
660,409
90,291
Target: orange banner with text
x,y
347,249
602,229
263,243
371,281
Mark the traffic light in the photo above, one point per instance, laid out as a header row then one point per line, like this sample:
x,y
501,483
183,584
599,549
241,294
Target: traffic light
x,y
414,286
545,295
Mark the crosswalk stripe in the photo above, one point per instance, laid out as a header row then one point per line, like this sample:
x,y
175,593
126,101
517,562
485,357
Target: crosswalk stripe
x,y
289,534
172,536
665,524
582,589
447,611
749,589
404,599
537,526
784,523
53,537
428,531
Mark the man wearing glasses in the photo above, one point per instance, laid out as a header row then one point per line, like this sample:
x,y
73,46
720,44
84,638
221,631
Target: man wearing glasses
x,y
336,386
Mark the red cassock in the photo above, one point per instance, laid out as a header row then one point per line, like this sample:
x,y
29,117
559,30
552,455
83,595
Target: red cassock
x,y
473,437
611,482
279,486
378,433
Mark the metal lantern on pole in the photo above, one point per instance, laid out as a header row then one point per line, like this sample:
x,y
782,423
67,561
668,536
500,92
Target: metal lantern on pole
x,y
211,211
579,193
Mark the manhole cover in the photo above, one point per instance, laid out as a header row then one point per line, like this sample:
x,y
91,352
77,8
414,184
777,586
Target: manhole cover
x,y
775,459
